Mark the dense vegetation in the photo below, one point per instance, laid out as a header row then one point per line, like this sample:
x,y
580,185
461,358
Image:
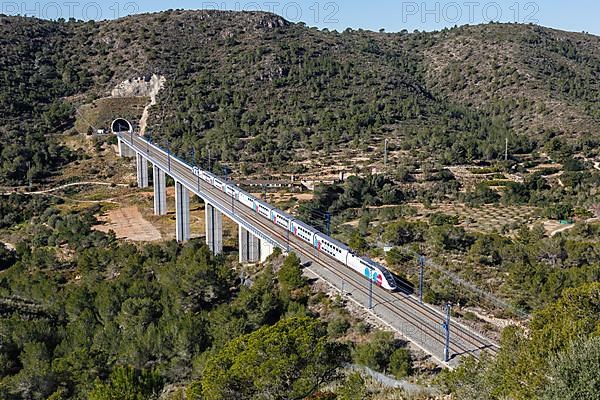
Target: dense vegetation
x,y
254,88
552,361
15,209
68,322
537,75
530,270
83,315
35,78
86,316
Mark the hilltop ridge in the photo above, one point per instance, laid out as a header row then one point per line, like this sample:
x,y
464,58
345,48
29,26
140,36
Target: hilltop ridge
x,y
259,89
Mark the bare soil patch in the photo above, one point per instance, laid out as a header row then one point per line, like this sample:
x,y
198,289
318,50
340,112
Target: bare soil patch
x,y
554,227
128,223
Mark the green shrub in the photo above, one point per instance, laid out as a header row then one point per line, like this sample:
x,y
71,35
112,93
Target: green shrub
x,y
361,328
337,327
400,364
439,219
376,353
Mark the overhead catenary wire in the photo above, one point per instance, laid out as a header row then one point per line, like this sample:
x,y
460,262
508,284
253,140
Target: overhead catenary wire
x,y
323,218
428,262
456,279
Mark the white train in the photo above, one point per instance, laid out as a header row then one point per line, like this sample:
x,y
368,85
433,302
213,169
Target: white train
x,y
323,243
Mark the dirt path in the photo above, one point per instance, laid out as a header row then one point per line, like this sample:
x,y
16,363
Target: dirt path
x,y
557,176
146,113
71,185
554,227
141,86
563,228
49,192
389,382
128,223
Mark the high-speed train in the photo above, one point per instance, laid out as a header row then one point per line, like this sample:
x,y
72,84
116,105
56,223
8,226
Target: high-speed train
x,y
321,242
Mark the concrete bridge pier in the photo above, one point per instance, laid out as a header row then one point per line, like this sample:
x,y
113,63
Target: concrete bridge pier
x,y
125,150
266,249
214,229
142,170
182,212
160,191
249,246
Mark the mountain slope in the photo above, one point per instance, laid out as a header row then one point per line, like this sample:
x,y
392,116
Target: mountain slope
x,y
544,79
255,88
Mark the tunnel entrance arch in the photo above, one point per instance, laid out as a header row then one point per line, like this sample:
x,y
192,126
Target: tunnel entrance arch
x,y
121,125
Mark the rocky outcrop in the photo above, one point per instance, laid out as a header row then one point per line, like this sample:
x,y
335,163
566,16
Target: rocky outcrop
x,y
146,86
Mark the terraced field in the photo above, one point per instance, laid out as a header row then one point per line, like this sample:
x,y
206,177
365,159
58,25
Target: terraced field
x,y
487,218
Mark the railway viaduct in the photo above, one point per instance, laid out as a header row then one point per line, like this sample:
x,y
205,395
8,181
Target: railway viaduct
x,y
419,323
253,245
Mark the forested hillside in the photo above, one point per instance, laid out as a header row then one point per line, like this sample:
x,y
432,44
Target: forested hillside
x,y
86,316
256,88
542,81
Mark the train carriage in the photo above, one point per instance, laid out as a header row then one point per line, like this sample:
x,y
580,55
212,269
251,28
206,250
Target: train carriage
x,y
246,199
331,247
282,219
303,231
207,176
368,268
232,191
219,184
372,270
262,208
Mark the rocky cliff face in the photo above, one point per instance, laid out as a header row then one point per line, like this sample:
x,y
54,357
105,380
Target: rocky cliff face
x,y
147,86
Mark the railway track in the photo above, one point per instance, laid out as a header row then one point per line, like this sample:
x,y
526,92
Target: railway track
x,y
380,296
419,323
